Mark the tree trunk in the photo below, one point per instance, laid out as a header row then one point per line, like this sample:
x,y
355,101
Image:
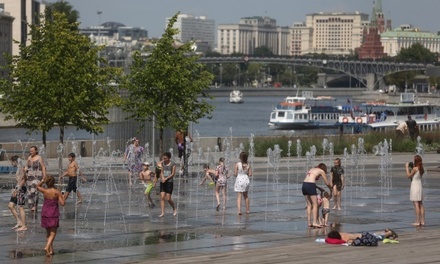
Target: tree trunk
x,y
44,138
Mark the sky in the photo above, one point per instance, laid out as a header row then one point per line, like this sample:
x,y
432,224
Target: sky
x,y
151,14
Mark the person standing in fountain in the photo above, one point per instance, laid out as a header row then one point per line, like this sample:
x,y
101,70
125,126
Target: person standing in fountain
x,y
310,193
242,171
133,154
18,195
50,213
180,139
415,173
148,178
166,182
34,170
222,175
72,172
337,179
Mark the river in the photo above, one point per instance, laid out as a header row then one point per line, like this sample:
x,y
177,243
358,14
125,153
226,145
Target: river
x,y
250,117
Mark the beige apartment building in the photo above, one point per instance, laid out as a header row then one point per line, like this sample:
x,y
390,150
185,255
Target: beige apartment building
x,y
251,33
24,12
6,21
329,33
405,36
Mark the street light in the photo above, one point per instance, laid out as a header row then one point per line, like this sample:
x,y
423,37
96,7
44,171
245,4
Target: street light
x,y
221,74
99,25
238,70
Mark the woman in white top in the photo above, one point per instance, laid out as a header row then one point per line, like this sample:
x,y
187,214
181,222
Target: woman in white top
x,y
415,173
242,172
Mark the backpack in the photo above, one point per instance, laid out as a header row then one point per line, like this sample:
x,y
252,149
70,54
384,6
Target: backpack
x,y
366,239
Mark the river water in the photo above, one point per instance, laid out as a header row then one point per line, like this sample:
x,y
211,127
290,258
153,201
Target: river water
x,y
250,117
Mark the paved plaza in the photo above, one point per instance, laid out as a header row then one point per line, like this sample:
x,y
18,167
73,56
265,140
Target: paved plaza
x,y
113,224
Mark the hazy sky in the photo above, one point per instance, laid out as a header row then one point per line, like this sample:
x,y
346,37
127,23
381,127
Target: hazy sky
x,y
151,14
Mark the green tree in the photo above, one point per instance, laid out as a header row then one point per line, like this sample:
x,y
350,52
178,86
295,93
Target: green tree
x,y
65,8
167,85
416,53
55,81
263,51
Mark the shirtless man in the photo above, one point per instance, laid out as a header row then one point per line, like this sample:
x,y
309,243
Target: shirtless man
x,y
149,179
72,172
310,193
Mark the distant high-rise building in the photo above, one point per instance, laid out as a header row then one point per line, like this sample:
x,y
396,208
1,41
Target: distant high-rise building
x,y
251,33
25,12
329,33
194,28
6,21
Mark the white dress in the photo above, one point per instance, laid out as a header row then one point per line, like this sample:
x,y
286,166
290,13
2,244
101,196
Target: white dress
x,y
416,191
242,182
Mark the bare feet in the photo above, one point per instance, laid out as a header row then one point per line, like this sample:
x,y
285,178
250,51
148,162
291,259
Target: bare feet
x,y
239,213
422,223
161,215
334,207
48,253
339,208
17,226
23,228
217,207
247,212
175,212
79,202
33,208
415,224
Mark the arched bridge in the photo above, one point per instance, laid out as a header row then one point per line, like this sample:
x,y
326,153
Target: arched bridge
x,y
369,73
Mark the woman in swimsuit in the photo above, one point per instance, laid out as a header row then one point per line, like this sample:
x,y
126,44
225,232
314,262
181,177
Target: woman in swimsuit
x,y
310,193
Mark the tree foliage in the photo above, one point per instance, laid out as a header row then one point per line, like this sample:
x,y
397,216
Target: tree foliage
x,y
416,53
64,7
56,81
167,85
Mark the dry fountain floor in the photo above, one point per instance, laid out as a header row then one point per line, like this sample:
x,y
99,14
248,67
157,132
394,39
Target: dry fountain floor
x,y
113,224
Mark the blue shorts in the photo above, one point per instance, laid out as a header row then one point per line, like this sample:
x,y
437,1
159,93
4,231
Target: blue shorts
x,y
309,188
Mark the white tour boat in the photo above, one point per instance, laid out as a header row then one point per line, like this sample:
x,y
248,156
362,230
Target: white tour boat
x,y
236,96
383,116
306,111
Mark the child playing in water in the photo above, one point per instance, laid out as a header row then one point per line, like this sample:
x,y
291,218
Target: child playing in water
x,y
149,180
209,174
72,173
325,208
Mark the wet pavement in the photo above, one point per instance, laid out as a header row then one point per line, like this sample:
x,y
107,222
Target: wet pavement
x,y
114,225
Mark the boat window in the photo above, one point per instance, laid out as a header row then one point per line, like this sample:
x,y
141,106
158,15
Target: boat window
x,y
289,115
281,114
273,115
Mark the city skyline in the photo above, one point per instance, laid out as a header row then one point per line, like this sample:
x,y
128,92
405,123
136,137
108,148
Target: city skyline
x,y
151,15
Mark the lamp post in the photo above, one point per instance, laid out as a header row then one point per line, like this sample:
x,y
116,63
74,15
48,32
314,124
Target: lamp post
x,y
290,68
221,74
99,25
